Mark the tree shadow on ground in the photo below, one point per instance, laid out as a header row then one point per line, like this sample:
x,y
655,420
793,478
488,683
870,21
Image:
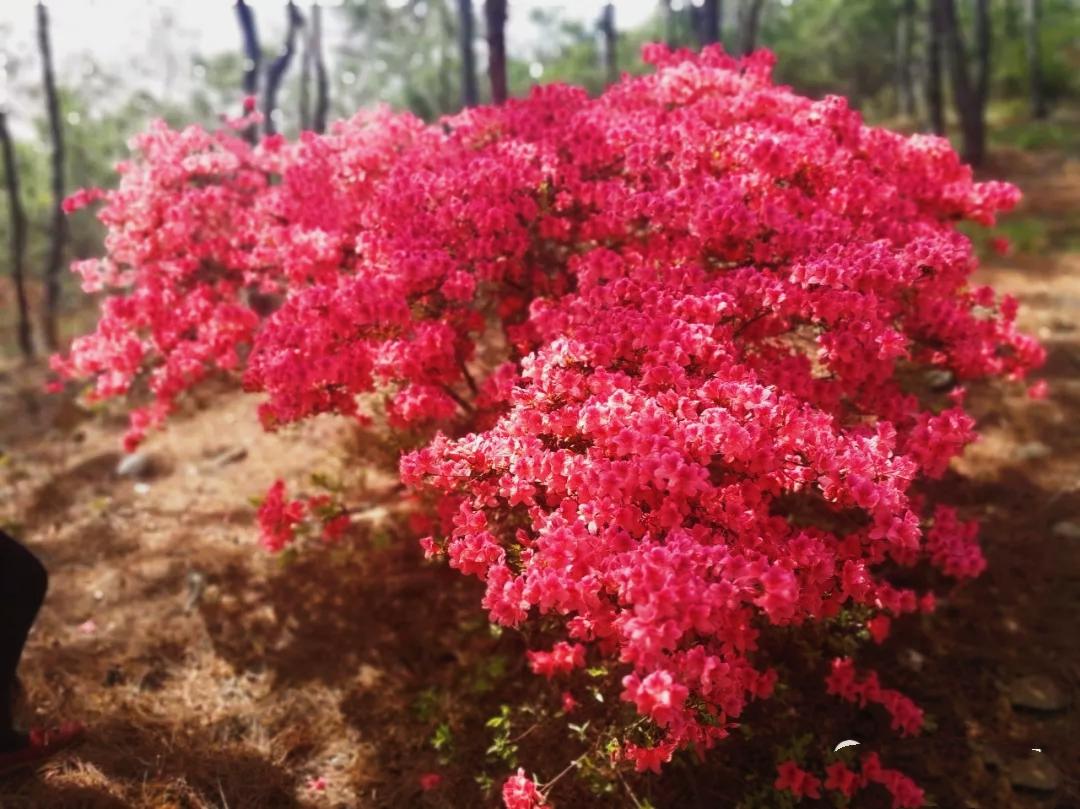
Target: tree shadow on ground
x,y
156,763
324,615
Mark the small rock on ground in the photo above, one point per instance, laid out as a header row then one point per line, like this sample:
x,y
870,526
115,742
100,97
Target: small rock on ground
x,y
1038,693
135,465
1067,529
227,456
1036,772
1032,451
940,380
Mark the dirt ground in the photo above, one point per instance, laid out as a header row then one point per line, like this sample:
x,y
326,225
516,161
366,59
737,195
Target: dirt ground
x,y
214,675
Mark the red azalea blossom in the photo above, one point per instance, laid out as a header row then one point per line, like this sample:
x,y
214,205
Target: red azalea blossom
x,y
841,779
878,626
520,792
707,294
1001,245
797,781
843,681
278,517
648,758
562,658
430,781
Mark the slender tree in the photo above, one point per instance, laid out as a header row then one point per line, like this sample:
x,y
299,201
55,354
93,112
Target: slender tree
x,y
983,44
304,100
670,32
322,81
1033,43
252,59
18,238
749,22
58,233
611,41
905,35
711,21
935,96
276,71
969,94
495,13
470,95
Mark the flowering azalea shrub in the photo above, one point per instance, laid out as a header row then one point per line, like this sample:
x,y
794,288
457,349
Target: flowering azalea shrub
x,y
663,352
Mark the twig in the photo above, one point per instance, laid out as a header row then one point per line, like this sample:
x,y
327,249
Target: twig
x,y
468,377
572,765
457,397
629,791
526,732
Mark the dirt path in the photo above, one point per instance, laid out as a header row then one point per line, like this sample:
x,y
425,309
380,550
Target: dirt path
x,y
214,675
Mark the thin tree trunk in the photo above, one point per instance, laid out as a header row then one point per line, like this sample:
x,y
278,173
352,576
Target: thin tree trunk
x,y
669,23
18,239
322,82
711,21
470,95
278,67
611,40
750,20
252,62
304,102
447,30
1033,43
1011,19
495,13
983,45
935,96
968,96
905,35
59,223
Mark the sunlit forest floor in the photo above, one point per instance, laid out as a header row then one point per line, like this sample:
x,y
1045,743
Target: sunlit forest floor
x,y
213,675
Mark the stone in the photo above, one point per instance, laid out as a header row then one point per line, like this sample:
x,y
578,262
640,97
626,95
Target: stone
x,y
135,465
227,456
989,756
1067,529
913,660
1032,451
940,380
1037,692
1036,772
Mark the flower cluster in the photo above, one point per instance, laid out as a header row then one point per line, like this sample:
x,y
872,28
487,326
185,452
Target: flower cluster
x,y
844,682
280,518
520,792
801,783
667,337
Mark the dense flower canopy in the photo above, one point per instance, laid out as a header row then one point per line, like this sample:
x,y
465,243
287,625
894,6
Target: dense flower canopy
x,y
673,339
